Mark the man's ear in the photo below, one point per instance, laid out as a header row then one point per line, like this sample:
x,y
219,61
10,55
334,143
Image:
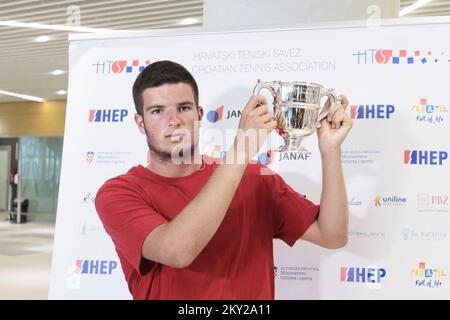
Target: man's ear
x,y
139,120
200,113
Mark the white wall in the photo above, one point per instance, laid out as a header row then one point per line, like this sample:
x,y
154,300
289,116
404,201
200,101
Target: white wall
x,y
219,13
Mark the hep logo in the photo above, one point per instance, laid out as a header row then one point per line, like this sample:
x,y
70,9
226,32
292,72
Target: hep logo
x,y
107,115
362,275
424,157
372,111
95,266
215,115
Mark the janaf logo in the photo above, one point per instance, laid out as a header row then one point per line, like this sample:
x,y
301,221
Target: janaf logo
x,y
293,156
266,158
218,114
233,114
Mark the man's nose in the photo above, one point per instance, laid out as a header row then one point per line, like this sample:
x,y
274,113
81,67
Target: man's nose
x,y
173,117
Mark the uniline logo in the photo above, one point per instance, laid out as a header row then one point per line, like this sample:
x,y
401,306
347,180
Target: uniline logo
x,y
371,111
119,66
107,115
389,201
95,266
362,275
424,157
385,56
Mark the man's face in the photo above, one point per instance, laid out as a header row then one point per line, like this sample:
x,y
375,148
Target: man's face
x,y
169,117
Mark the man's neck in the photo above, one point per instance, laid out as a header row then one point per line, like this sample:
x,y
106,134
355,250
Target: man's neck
x,y
168,168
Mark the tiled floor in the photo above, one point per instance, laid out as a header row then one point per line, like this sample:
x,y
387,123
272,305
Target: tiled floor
x,y
25,259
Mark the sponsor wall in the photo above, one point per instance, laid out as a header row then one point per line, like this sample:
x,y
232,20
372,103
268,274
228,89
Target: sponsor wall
x,y
396,159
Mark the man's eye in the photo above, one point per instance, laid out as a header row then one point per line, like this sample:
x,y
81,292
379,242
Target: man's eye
x,y
185,108
156,111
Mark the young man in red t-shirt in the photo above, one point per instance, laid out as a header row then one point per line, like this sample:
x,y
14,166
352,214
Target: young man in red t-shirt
x,y
204,229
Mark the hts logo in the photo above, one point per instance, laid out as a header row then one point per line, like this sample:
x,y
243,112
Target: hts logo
x,y
119,66
107,115
423,157
95,266
385,56
362,275
371,111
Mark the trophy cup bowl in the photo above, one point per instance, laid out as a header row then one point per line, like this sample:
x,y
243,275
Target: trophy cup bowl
x,y
297,110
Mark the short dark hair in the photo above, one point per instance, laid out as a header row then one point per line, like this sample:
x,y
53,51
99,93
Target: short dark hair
x,y
158,73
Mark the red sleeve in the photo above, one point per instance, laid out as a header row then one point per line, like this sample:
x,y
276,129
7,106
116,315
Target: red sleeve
x,y
128,218
292,213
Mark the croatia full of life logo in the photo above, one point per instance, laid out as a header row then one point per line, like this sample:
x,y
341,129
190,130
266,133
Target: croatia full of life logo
x,y
427,112
428,277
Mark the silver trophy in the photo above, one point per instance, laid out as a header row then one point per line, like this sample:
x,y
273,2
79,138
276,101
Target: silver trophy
x,y
297,110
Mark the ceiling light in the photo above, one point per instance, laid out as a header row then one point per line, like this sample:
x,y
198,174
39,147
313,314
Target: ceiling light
x,y
22,96
57,72
189,21
413,7
61,92
42,39
18,24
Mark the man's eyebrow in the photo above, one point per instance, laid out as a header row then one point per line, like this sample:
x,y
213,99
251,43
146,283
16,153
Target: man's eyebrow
x,y
185,103
153,107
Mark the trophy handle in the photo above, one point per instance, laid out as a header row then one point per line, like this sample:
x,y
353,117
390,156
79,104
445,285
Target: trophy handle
x,y
265,85
332,96
269,86
276,112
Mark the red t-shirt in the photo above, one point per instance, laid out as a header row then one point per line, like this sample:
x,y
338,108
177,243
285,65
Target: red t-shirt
x,y
237,263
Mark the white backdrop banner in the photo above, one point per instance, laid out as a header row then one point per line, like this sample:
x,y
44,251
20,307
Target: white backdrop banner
x,y
396,159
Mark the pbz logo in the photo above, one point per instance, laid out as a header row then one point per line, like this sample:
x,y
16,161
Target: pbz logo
x,y
107,115
95,266
424,157
371,111
362,275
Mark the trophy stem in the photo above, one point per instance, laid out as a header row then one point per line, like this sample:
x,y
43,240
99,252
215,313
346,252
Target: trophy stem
x,y
295,145
285,145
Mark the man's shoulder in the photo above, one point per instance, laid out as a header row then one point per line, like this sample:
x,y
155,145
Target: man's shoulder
x,y
124,180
